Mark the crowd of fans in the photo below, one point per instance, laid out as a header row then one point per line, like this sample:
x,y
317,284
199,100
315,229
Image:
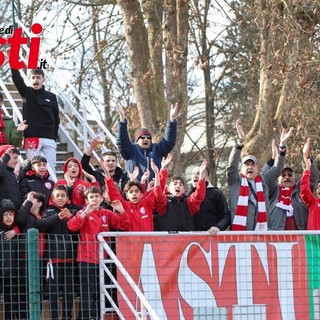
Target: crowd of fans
x,y
70,213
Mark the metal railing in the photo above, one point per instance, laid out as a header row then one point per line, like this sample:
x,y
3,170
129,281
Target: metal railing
x,y
75,119
18,117
146,308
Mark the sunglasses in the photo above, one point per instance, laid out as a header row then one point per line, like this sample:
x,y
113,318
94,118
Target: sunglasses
x,y
289,174
145,137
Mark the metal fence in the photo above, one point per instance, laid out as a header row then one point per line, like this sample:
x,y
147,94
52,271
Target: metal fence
x,y
232,276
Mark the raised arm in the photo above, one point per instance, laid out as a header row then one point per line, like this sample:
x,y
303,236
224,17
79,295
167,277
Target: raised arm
x,y
314,173
17,79
120,112
195,199
270,162
160,199
305,191
85,160
114,193
126,147
173,111
234,157
164,169
272,175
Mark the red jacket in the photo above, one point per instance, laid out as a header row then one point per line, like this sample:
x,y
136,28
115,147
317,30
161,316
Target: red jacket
x,y
141,214
311,201
79,185
92,224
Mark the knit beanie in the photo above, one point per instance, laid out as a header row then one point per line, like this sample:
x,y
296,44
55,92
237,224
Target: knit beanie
x,y
141,132
6,205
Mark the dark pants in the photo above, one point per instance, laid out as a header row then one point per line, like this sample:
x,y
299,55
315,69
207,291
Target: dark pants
x,y
23,301
9,289
23,288
89,291
62,281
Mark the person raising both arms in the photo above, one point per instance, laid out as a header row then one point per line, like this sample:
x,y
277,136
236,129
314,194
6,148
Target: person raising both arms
x,y
140,152
249,190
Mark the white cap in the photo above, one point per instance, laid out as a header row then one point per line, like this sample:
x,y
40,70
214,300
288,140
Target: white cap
x,y
249,157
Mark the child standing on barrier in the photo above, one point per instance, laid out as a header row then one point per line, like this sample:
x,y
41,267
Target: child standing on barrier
x,y
60,252
41,111
9,257
90,222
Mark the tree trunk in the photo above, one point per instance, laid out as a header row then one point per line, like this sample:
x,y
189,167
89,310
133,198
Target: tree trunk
x,y
137,42
176,45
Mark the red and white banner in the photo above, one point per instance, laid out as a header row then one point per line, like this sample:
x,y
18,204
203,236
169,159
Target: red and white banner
x,y
235,277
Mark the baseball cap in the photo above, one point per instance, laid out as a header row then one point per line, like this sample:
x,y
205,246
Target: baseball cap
x,y
249,157
287,167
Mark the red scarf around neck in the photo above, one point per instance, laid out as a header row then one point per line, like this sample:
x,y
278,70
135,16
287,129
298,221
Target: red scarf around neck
x,y
284,200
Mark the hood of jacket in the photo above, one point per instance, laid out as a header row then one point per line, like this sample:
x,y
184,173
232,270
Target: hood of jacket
x,y
65,166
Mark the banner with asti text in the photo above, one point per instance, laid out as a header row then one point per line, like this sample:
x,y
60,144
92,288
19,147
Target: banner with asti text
x,y
231,276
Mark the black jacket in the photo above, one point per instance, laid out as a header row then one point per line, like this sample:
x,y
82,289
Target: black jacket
x,y
25,220
177,218
40,109
32,182
214,211
60,242
120,176
8,254
9,182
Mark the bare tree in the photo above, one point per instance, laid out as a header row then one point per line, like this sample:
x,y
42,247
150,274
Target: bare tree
x,y
287,46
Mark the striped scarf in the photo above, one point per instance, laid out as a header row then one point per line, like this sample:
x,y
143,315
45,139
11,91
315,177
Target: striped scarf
x,y
240,218
284,200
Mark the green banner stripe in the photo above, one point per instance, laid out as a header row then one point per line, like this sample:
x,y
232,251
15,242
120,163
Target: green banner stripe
x,y
313,256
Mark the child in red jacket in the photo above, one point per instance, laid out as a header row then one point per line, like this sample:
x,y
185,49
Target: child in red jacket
x,y
140,206
76,186
90,222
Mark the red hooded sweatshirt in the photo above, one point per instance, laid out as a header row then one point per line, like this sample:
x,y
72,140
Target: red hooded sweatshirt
x,y
79,185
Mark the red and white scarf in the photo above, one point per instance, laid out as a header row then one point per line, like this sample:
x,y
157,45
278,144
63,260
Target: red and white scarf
x,y
284,200
240,218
